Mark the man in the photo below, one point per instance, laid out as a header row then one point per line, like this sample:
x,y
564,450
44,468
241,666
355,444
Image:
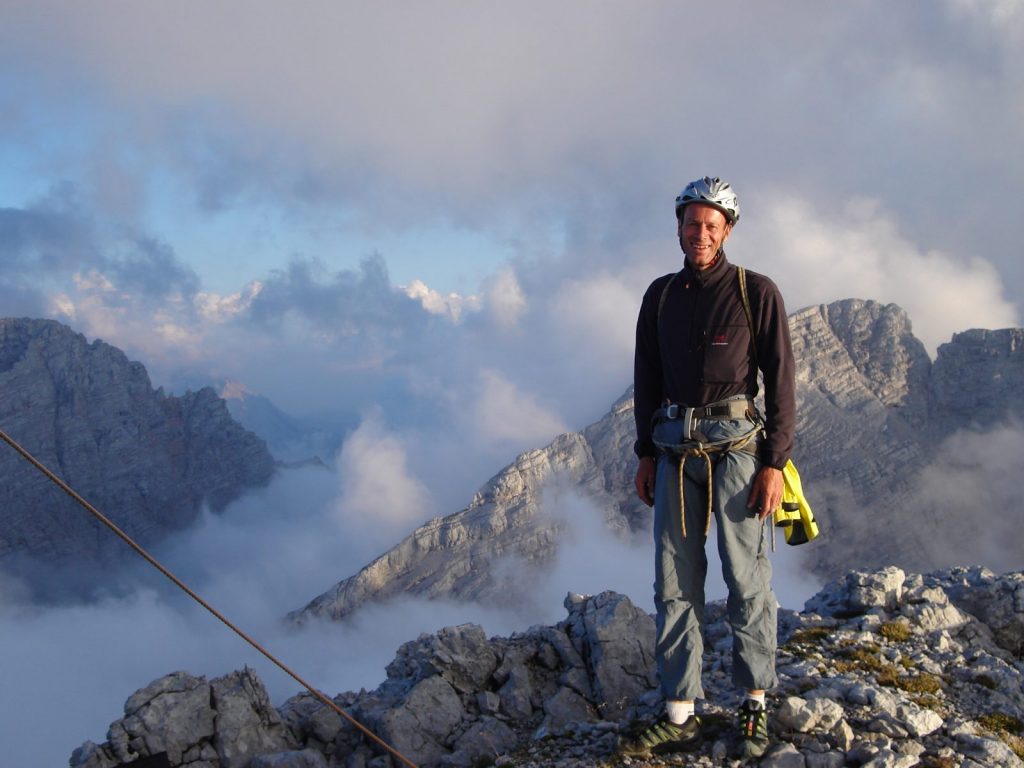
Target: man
x,y
694,351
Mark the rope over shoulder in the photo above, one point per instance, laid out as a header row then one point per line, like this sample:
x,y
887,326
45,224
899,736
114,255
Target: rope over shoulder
x,y
323,698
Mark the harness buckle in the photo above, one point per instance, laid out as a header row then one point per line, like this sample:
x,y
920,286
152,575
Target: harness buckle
x,y
688,424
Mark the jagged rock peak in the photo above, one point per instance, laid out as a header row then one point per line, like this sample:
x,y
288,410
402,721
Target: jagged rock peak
x,y
145,459
878,340
980,375
882,668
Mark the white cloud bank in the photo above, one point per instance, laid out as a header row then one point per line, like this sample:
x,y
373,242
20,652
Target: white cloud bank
x,y
860,251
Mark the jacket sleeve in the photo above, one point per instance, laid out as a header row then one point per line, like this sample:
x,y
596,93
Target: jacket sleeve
x,y
647,372
775,357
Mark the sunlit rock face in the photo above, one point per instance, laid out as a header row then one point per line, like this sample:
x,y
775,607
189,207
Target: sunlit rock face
x,y
881,428
146,460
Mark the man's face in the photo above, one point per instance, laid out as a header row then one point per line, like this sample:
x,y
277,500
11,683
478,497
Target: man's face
x,y
702,231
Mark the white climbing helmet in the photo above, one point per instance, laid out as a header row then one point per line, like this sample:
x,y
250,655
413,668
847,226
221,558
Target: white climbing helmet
x,y
713,192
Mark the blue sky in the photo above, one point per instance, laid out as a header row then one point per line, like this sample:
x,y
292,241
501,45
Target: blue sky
x,y
435,220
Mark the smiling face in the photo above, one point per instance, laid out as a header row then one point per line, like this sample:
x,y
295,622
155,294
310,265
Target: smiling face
x,y
703,229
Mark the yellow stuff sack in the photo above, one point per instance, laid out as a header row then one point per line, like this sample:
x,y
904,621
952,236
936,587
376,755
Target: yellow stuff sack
x,y
795,517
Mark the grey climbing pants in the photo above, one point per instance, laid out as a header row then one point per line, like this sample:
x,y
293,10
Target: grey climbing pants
x,y
681,566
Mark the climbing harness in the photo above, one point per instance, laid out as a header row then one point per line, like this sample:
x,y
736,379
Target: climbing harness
x,y
323,698
674,431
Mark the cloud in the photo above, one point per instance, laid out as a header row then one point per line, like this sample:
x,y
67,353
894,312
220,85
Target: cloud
x,y
859,251
504,298
568,158
337,303
217,308
380,500
1002,16
450,305
503,413
973,475
58,235
593,130
595,318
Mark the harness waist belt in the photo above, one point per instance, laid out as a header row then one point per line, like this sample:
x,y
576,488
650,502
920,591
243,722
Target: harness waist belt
x,y
740,408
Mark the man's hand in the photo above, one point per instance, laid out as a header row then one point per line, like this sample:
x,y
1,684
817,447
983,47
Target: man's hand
x,y
766,492
645,480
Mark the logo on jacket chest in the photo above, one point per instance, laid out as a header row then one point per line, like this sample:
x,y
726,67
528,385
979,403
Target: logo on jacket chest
x,y
719,340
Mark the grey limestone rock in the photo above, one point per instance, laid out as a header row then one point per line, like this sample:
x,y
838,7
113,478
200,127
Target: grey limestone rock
x,y
246,722
987,751
621,641
857,592
146,460
171,715
784,756
918,720
483,742
980,375
996,601
305,758
461,655
566,707
887,758
421,724
802,715
538,698
834,759
186,719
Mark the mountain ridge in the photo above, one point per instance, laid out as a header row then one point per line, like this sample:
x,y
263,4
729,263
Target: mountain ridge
x,y
148,460
872,407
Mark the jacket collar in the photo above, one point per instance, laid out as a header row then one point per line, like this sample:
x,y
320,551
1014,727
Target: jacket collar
x,y
712,274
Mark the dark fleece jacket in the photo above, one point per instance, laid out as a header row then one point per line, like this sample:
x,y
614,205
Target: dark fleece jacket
x,y
698,351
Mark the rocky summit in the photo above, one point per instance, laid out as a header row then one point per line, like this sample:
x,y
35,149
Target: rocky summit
x,y
881,432
146,460
882,668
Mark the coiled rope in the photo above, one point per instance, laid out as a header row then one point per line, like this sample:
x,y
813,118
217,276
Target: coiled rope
x,y
185,588
701,450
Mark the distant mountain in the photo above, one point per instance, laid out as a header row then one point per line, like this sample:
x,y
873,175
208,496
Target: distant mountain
x,y
289,439
873,412
146,460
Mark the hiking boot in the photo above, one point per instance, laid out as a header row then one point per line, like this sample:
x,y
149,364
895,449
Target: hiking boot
x,y
753,730
662,737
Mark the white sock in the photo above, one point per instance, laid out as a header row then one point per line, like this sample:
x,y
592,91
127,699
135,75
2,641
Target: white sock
x,y
758,697
679,711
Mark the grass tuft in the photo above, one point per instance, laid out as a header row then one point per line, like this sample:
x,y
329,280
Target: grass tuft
x,y
895,631
809,636
988,681
1000,721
